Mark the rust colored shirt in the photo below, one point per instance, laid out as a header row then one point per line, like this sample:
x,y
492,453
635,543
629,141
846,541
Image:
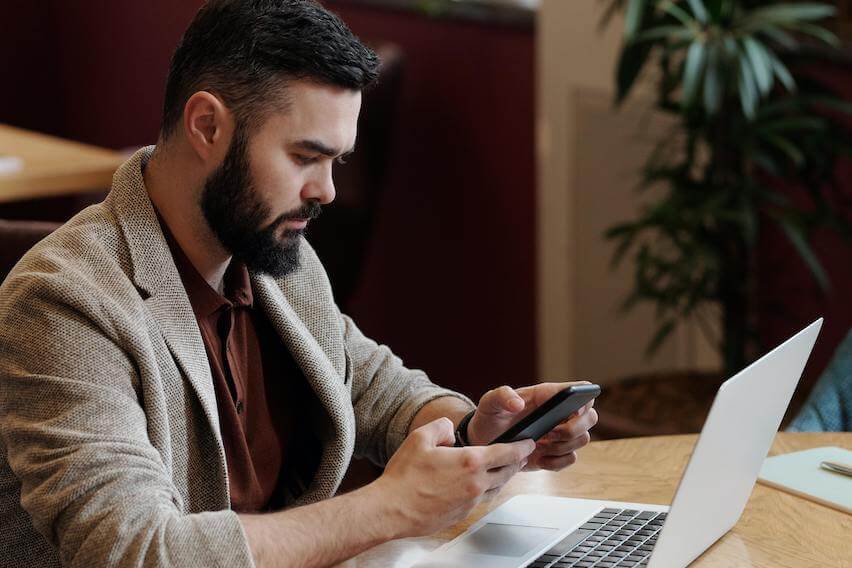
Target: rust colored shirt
x,y
259,388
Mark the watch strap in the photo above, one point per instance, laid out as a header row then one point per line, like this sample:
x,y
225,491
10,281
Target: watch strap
x,y
461,431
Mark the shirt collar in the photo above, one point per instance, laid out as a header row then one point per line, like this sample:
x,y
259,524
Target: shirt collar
x,y
204,299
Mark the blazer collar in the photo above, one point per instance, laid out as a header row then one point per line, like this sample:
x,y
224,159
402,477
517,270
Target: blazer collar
x,y
326,382
153,271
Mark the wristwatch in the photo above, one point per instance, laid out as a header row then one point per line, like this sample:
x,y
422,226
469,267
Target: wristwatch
x,y
461,431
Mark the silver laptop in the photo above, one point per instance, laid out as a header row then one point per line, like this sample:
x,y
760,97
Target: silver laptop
x,y
554,532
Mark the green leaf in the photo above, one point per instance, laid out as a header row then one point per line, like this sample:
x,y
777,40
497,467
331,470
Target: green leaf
x,y
819,33
731,49
621,250
614,8
797,238
677,12
663,332
787,148
621,230
781,106
774,197
665,32
793,123
713,88
780,37
831,103
766,162
782,73
748,89
633,58
433,8
633,18
699,10
760,63
692,71
790,13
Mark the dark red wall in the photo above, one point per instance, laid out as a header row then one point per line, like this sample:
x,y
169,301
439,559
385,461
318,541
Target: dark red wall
x,y
113,60
450,278
449,282
30,87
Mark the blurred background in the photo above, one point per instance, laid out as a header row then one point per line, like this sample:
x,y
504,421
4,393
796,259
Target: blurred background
x,y
498,170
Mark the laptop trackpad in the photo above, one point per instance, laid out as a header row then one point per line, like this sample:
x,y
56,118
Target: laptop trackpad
x,y
504,540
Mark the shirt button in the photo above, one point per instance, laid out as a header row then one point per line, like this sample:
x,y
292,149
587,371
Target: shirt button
x,y
239,407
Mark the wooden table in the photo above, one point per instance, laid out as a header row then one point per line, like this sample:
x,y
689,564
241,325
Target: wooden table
x,y
53,166
777,530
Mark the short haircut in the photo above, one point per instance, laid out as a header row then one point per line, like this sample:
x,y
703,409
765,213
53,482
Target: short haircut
x,y
245,52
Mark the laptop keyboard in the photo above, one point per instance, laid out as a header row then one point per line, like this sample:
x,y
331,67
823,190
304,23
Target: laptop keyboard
x,y
617,538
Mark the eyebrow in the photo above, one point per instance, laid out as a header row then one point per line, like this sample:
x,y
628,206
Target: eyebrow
x,y
320,148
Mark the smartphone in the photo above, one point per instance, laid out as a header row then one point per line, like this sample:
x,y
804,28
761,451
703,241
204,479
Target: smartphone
x,y
550,414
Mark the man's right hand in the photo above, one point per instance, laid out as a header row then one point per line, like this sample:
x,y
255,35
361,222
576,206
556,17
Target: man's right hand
x,y
430,485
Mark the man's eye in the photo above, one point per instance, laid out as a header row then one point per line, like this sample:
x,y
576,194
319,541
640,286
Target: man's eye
x,y
305,160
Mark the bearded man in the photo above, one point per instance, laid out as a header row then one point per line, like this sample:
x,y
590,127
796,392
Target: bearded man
x,y
177,385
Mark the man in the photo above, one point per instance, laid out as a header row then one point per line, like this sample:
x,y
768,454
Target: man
x,y
177,386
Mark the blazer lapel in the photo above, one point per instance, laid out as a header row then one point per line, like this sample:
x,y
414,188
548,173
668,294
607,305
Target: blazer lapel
x,y
154,272
176,320
323,377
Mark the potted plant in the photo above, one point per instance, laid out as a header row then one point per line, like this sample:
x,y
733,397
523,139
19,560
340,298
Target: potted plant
x,y
733,74
743,122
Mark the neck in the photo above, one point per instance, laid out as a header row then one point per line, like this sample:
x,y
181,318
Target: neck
x,y
174,184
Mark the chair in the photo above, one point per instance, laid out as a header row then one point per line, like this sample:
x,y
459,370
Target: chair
x,y
829,406
18,237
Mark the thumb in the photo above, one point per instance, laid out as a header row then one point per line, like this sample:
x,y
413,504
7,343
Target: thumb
x,y
439,432
503,400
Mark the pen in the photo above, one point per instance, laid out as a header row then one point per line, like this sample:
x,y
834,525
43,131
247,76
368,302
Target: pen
x,y
837,467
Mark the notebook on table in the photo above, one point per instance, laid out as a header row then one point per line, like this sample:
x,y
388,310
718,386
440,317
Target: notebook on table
x,y
799,473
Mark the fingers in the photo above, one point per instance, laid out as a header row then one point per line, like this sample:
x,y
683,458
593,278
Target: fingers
x,y
503,400
482,458
499,477
542,392
575,426
560,448
556,463
500,455
440,432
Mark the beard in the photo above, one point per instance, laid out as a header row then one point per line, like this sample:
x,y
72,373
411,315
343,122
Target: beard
x,y
235,214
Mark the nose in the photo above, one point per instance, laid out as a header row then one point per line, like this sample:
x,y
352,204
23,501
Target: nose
x,y
320,188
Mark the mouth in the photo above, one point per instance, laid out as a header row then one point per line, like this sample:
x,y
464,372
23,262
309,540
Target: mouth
x,y
295,224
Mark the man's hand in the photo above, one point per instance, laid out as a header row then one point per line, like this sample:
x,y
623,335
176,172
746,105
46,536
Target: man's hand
x,y
502,407
430,485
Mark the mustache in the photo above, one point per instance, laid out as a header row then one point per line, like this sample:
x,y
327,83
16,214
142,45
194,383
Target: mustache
x,y
310,210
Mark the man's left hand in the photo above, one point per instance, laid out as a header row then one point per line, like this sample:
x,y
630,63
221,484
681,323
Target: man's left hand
x,y
502,407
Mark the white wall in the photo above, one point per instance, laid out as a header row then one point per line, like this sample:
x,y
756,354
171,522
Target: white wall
x,y
589,155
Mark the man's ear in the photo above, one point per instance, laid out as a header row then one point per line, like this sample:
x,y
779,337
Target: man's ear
x,y
208,125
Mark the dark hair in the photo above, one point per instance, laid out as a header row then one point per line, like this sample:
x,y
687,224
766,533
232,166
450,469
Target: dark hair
x,y
245,51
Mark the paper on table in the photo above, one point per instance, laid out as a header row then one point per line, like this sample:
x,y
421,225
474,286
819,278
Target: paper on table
x,y
799,473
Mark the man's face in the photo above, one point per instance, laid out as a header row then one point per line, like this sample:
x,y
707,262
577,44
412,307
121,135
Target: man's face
x,y
274,181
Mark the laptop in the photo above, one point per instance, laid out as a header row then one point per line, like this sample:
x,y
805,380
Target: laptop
x,y
554,532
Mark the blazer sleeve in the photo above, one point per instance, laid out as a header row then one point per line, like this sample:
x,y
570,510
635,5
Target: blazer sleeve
x,y
386,396
76,437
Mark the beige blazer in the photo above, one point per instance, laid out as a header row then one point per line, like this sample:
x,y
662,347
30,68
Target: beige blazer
x,y
110,450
